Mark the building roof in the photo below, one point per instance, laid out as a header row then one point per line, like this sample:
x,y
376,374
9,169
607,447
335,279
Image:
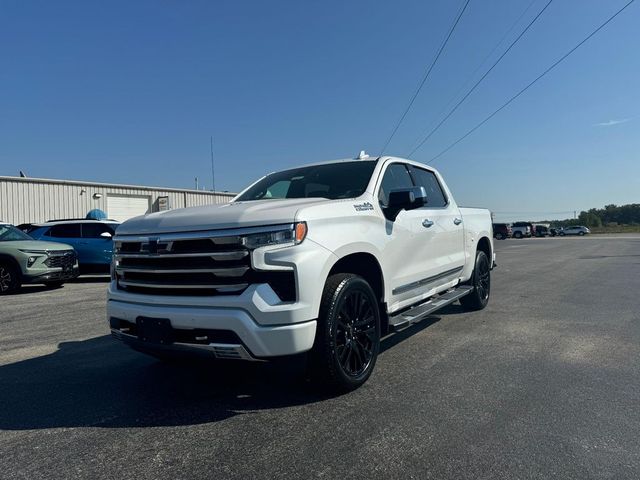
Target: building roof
x,y
81,183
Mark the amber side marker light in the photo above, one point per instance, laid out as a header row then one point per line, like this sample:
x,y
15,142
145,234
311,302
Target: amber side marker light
x,y
301,231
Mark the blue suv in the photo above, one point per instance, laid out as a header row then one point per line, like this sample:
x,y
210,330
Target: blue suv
x,y
91,239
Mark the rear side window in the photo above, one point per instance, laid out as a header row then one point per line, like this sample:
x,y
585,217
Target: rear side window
x,y
428,180
396,176
94,230
69,230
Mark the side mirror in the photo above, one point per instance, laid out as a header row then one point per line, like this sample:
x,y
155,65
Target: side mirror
x,y
405,199
106,235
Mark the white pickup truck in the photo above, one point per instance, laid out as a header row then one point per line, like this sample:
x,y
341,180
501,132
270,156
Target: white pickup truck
x,y
323,259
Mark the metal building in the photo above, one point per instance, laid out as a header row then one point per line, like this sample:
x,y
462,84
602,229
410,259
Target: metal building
x,y
33,200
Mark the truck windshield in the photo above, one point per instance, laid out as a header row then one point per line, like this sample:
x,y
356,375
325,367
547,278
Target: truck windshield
x,y
10,233
331,180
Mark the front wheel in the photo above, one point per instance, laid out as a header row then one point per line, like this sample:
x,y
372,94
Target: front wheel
x,y
581,234
9,278
481,283
348,335
517,235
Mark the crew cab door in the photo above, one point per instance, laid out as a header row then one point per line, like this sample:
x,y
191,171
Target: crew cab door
x,y
442,229
425,246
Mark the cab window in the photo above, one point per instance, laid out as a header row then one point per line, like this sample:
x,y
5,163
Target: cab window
x,y
424,178
396,176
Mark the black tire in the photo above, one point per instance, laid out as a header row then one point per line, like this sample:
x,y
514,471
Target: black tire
x,y
499,236
581,234
9,278
54,284
481,282
348,335
517,235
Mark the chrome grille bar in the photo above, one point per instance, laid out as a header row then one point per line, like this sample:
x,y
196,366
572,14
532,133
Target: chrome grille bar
x,y
230,287
220,272
224,255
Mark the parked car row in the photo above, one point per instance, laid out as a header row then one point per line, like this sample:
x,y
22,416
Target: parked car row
x,y
54,252
528,229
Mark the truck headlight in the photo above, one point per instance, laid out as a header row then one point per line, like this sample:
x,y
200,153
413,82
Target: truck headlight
x,y
291,234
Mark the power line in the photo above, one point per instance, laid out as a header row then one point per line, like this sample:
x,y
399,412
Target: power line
x,y
481,64
481,78
426,76
531,83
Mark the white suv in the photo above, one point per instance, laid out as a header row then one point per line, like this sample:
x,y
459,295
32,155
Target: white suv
x,y
578,230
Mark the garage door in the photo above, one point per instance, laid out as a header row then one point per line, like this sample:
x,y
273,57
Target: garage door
x,y
121,208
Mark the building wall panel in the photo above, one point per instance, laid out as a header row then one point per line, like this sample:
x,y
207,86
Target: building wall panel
x,y
25,200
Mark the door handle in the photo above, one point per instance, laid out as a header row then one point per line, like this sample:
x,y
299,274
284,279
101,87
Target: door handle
x,y
426,223
457,221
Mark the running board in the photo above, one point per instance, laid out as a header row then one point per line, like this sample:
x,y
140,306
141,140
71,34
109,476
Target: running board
x,y
407,318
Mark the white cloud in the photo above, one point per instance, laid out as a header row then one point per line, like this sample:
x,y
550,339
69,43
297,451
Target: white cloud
x,y
612,122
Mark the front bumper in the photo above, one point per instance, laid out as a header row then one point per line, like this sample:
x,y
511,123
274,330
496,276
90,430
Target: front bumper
x,y
256,340
53,275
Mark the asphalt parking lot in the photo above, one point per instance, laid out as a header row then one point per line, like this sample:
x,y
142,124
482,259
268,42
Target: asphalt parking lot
x,y
544,383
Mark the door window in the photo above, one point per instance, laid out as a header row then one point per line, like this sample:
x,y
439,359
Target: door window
x,y
428,180
65,230
396,176
94,230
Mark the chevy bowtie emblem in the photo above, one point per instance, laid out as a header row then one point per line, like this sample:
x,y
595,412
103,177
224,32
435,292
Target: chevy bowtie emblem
x,y
153,245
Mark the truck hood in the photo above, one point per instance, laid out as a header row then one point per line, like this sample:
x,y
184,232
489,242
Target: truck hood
x,y
213,217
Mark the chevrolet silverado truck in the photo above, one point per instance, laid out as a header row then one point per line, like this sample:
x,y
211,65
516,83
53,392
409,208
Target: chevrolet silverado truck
x,y
323,259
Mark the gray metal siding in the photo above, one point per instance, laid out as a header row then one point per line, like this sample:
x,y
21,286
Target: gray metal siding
x,y
24,200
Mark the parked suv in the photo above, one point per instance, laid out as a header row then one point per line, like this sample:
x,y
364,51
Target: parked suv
x,y
502,231
522,229
577,230
24,260
91,239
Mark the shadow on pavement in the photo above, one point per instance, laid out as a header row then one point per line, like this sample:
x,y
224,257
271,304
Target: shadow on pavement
x,y
100,382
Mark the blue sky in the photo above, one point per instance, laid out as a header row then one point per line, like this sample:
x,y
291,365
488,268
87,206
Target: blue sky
x,y
131,91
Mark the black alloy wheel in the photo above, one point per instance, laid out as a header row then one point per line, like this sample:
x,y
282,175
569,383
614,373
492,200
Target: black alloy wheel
x,y
8,278
481,283
355,333
348,334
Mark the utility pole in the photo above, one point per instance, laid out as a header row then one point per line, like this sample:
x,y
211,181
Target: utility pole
x,y
213,175
196,183
575,214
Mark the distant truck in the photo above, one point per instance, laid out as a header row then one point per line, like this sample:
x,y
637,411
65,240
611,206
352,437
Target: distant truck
x,y
324,259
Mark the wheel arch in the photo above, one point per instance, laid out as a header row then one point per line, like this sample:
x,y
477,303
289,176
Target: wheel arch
x,y
367,266
12,261
484,245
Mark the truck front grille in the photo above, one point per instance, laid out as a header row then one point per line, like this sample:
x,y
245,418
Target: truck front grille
x,y
188,266
62,259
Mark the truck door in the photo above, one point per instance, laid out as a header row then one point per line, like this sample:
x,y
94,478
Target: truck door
x,y
403,255
440,229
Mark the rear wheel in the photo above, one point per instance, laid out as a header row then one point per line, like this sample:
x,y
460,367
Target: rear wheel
x,y
499,236
348,335
481,282
9,278
581,234
517,235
